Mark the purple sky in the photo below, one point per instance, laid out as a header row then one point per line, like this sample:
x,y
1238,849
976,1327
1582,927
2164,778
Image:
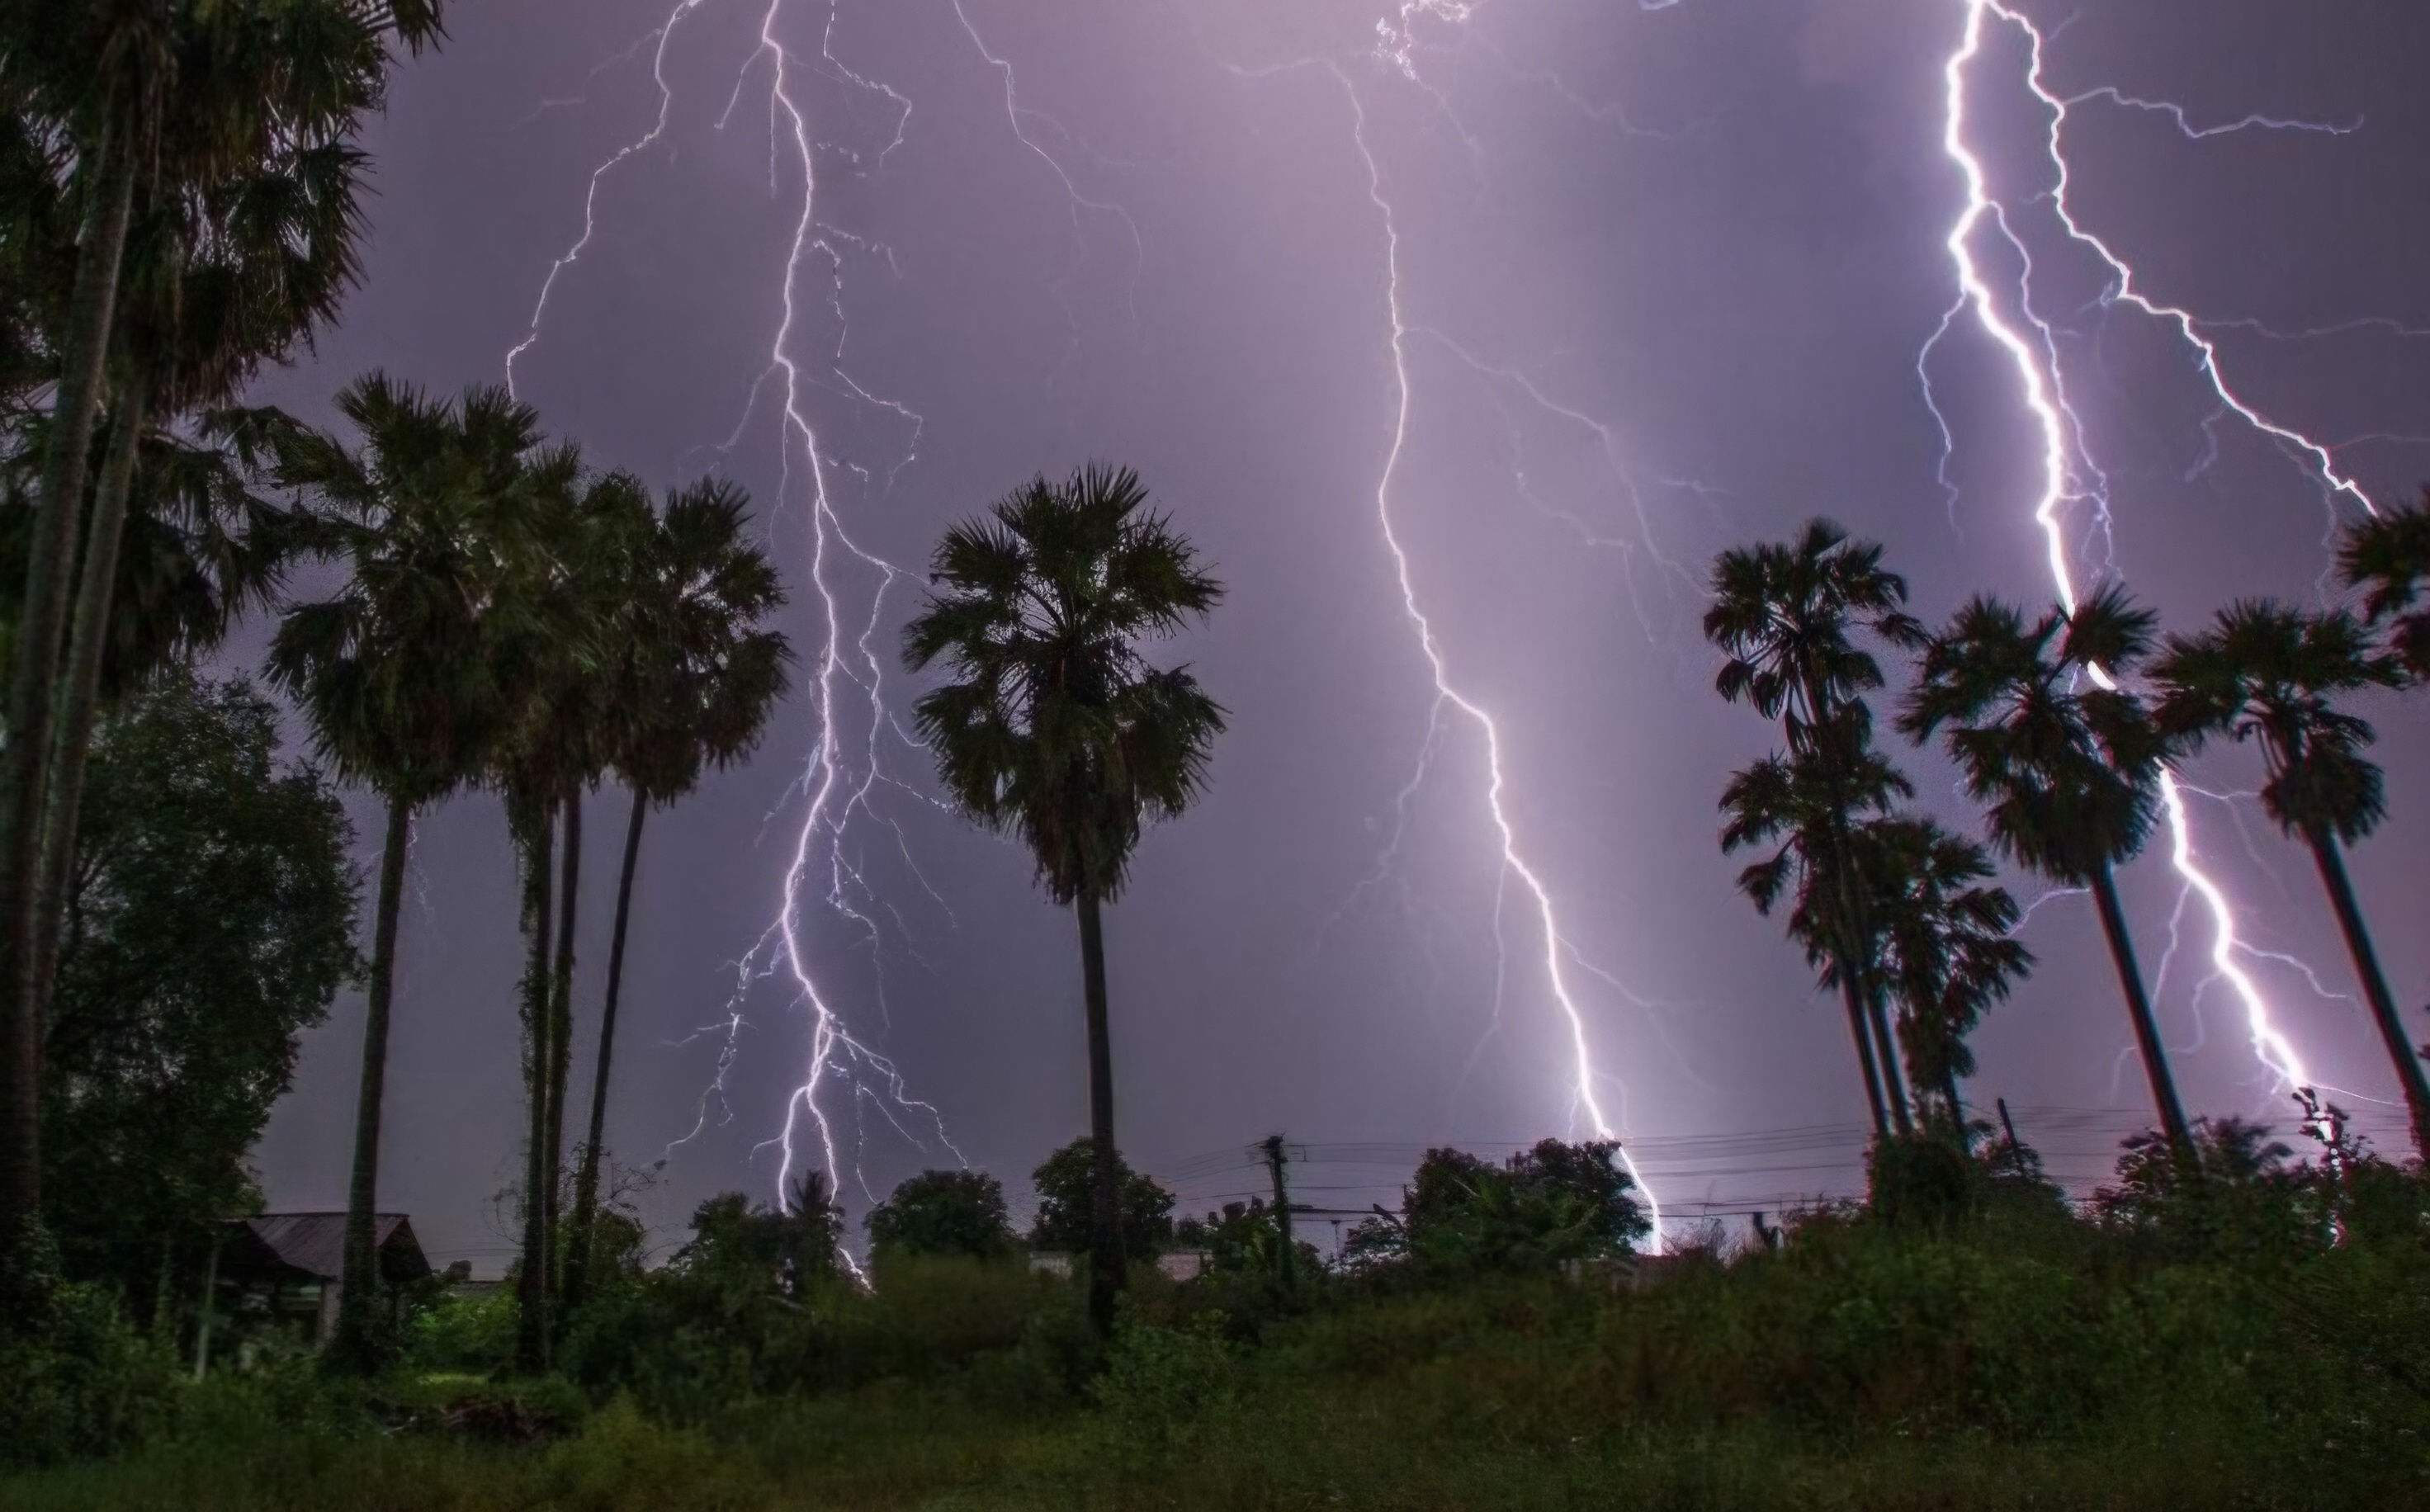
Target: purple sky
x,y
1662,278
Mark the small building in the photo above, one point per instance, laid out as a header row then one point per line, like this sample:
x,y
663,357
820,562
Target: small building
x,y
288,1264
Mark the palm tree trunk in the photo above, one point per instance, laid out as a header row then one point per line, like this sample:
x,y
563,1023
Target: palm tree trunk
x,y
2374,986
1893,1073
1864,1038
87,642
560,1036
25,761
359,1282
2139,1008
1105,1227
586,1185
531,822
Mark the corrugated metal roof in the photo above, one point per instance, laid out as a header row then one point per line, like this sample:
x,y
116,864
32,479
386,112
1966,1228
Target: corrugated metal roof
x,y
315,1243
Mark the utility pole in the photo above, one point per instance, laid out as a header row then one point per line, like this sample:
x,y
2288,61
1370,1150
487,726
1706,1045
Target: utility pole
x,y
1272,1146
2016,1151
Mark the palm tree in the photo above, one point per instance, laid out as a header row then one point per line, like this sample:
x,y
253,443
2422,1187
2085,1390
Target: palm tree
x,y
694,689
1786,616
1055,729
555,745
2266,670
2068,762
1810,803
398,673
1946,945
215,282
2389,556
137,105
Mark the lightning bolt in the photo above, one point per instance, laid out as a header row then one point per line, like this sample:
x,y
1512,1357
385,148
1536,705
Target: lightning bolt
x,y
837,782
1396,49
2068,475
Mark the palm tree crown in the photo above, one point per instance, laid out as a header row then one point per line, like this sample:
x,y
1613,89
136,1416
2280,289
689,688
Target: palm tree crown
x,y
2069,763
1784,614
399,670
2389,556
2267,669
1055,729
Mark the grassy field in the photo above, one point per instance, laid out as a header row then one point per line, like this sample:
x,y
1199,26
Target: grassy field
x,y
1509,1395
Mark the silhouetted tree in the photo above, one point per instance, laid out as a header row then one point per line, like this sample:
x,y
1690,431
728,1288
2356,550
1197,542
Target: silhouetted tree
x,y
1055,729
2267,673
2069,763
943,1212
1787,616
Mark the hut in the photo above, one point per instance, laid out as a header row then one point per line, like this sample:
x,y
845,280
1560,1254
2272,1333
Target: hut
x,y
288,1266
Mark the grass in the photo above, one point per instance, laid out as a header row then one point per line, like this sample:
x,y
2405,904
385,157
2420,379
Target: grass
x,y
1521,1397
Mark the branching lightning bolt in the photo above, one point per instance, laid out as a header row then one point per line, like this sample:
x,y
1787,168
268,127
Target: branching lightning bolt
x,y
2028,343
837,783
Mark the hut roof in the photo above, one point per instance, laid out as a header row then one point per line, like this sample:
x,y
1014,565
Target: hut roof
x,y
314,1244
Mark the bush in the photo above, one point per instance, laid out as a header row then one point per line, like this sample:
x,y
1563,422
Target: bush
x,y
80,1382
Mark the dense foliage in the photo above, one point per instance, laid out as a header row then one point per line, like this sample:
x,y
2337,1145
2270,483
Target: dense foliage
x,y
943,1212
212,921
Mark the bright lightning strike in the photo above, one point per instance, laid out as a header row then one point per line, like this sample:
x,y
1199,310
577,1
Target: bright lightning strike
x,y
1557,947
2070,478
836,783
1396,49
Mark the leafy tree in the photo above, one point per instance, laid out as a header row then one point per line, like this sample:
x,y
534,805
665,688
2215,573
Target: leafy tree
x,y
2068,762
1786,617
400,673
784,1249
943,1212
2267,673
2388,557
210,921
1554,1203
1067,1188
695,687
142,110
1055,729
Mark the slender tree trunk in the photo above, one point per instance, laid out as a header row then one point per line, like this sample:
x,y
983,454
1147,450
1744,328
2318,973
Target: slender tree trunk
x,y
586,1185
2139,1008
1893,1070
531,822
88,647
25,761
560,1036
359,1278
1105,1229
2374,988
1864,1038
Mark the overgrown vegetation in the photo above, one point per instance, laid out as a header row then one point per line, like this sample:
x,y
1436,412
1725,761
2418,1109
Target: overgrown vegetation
x,y
2249,1339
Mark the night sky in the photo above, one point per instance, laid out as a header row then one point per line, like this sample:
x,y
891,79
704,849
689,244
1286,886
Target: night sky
x,y
1662,276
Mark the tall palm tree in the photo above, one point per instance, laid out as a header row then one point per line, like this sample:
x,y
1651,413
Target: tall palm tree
x,y
1946,943
398,671
1786,617
2068,760
555,746
216,281
1811,804
2269,673
695,688
2388,557
1057,730
139,103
